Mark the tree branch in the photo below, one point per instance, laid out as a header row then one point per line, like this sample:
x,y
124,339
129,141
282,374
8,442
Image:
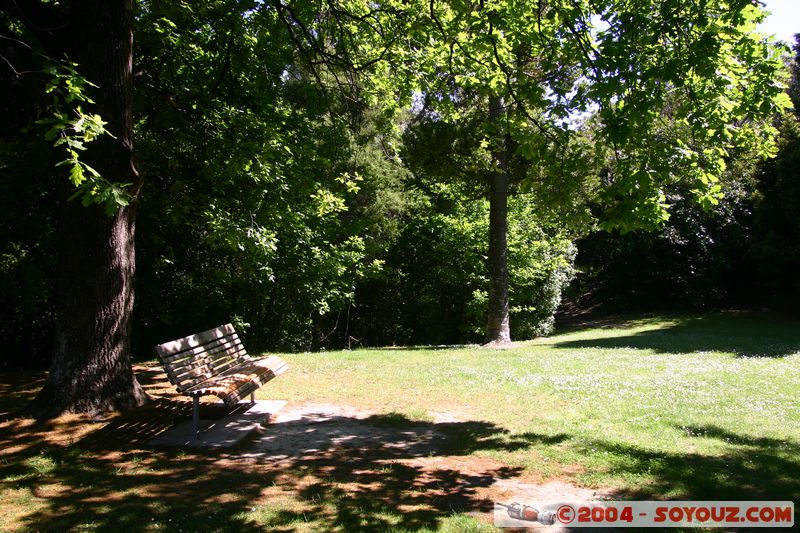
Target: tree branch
x,y
43,20
513,93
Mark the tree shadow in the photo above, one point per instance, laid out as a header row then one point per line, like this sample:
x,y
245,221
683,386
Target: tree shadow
x,y
16,389
333,472
370,473
741,334
391,436
613,321
324,471
752,468
363,488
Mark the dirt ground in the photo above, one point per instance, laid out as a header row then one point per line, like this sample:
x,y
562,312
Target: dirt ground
x,y
315,458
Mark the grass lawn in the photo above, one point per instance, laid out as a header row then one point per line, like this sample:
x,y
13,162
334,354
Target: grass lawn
x,y
700,408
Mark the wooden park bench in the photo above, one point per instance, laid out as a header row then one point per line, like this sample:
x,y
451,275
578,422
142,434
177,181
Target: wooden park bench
x,y
215,362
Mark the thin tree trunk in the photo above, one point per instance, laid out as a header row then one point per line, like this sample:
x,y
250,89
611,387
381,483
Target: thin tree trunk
x,y
498,332
91,366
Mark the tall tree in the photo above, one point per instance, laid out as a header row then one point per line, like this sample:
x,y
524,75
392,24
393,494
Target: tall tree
x,y
539,66
498,328
91,366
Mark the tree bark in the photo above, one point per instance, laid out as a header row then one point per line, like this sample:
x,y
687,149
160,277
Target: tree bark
x,y
91,367
498,332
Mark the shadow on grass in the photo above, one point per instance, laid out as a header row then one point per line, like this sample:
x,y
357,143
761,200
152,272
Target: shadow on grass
x,y
333,472
16,390
369,486
384,438
347,473
573,324
752,468
357,486
741,335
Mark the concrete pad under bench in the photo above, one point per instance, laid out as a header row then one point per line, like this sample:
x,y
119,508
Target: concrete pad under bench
x,y
221,432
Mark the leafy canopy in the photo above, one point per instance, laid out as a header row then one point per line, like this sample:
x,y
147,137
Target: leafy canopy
x,y
699,63
676,85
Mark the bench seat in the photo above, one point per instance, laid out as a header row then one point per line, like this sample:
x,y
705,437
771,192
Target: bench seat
x,y
239,381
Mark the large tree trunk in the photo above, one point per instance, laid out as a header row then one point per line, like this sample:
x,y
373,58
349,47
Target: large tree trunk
x,y
91,365
498,332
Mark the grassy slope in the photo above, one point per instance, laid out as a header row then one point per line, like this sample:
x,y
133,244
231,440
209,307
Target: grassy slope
x,y
703,407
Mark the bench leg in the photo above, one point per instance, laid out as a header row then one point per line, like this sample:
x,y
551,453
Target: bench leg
x,y
252,397
195,417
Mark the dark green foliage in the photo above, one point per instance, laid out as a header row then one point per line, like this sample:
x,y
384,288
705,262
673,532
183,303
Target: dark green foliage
x,y
743,252
244,219
27,237
697,259
777,243
432,289
27,255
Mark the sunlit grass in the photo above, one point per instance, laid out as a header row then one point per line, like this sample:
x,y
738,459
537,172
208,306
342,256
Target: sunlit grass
x,y
683,407
611,406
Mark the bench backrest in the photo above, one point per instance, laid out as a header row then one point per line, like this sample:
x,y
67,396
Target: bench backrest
x,y
196,358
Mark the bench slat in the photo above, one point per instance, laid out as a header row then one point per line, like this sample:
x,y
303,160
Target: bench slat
x,y
203,364
240,382
191,352
206,366
179,345
193,378
222,352
209,352
203,371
